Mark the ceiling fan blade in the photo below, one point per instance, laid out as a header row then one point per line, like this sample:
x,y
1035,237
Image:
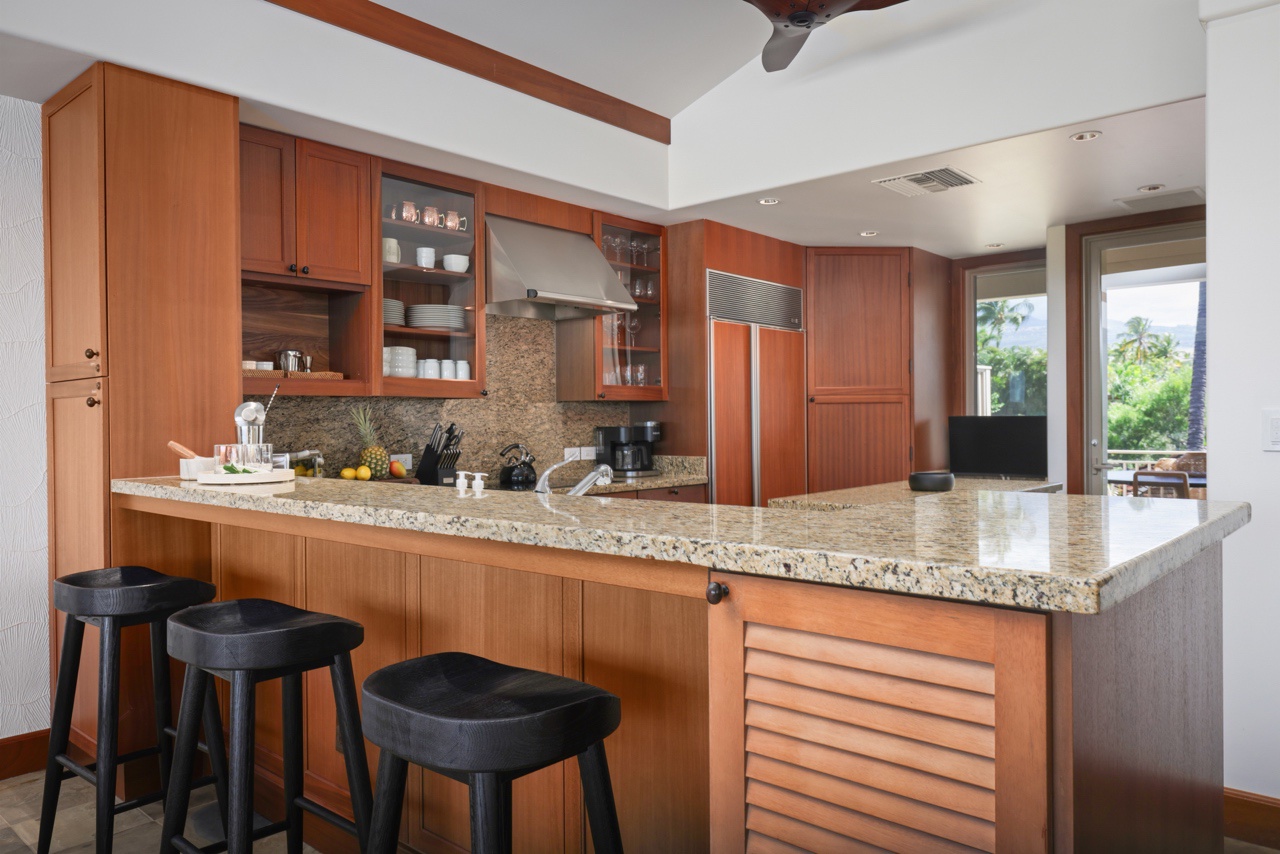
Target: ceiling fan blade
x,y
781,48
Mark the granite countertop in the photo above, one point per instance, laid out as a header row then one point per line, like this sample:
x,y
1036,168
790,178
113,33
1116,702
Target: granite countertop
x,y
881,493
1071,553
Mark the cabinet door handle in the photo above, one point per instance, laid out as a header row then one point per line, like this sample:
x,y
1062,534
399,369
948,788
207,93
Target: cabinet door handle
x,y
813,400
673,492
717,592
484,392
90,353
600,395
306,271
293,268
92,401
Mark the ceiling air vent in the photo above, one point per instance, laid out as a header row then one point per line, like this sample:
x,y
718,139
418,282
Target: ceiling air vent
x,y
923,183
1148,202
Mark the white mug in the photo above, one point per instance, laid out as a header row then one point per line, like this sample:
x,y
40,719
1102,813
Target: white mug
x,y
431,370
464,369
448,369
391,250
426,256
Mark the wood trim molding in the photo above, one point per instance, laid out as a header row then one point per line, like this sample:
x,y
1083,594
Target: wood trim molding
x,y
1076,233
957,396
22,754
390,27
1252,818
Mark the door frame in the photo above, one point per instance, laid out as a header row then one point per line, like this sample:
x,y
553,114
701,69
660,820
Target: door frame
x,y
1077,429
1095,407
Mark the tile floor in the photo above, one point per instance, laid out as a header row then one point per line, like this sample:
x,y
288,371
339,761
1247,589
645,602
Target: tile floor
x,y
137,831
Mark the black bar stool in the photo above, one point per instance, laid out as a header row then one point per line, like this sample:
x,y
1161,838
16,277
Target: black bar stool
x,y
112,599
245,642
485,724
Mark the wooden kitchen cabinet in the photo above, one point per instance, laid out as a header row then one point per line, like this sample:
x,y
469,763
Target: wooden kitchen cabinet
x,y
877,397
140,251
304,209
849,718
621,356
696,494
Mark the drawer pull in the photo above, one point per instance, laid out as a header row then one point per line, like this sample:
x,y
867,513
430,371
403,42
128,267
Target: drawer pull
x,y
716,592
92,401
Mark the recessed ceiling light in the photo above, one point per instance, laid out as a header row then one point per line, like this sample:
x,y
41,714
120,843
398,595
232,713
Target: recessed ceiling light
x,y
870,233
994,245
1151,188
769,200
1086,135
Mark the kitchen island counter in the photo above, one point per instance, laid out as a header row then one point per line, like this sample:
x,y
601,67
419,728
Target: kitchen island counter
x,y
1071,553
884,493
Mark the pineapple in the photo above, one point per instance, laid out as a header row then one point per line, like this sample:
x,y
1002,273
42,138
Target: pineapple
x,y
374,455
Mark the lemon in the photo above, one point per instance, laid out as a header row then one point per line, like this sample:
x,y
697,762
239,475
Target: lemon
x,y
363,473
348,473
300,470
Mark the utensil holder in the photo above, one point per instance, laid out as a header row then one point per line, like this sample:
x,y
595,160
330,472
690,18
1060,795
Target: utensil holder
x,y
430,473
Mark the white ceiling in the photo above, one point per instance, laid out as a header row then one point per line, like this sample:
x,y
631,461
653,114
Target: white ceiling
x,y
658,54
1027,184
35,72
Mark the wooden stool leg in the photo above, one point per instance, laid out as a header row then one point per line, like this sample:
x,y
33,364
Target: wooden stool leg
x,y
344,696
108,731
387,803
240,817
60,727
195,689
597,791
490,814
217,745
292,702
163,698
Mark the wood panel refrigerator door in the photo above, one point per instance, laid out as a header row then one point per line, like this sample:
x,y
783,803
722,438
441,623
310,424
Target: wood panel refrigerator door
x,y
75,232
847,719
268,217
335,216
858,441
78,520
731,462
780,398
859,322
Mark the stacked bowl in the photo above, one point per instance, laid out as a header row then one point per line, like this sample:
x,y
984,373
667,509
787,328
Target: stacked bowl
x,y
402,362
437,317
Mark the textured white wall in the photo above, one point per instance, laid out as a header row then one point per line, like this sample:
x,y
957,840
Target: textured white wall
x,y
1243,112
24,625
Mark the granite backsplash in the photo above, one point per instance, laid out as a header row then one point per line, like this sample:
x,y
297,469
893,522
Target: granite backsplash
x,y
521,407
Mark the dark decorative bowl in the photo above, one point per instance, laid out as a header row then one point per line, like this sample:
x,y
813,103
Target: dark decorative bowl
x,y
932,481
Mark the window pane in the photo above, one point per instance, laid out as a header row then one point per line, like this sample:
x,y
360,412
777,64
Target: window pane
x,y
1011,337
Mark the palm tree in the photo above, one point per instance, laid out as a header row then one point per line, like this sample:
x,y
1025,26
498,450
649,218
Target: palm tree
x,y
1135,343
996,315
1164,347
1195,415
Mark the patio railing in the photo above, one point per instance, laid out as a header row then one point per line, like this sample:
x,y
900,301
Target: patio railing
x,y
1133,460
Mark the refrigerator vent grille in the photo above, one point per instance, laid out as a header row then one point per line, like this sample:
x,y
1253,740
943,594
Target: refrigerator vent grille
x,y
745,300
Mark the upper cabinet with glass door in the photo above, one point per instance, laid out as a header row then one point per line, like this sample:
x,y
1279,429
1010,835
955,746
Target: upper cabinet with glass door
x,y
431,303
624,356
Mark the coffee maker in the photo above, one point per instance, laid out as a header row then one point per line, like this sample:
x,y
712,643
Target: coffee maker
x,y
628,450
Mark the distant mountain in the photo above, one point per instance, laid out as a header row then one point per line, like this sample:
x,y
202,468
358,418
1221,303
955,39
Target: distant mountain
x,y
1033,333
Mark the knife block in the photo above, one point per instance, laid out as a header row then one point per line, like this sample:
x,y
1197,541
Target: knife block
x,y
430,472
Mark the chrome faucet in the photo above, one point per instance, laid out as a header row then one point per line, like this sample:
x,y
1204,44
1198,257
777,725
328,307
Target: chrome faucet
x,y
600,474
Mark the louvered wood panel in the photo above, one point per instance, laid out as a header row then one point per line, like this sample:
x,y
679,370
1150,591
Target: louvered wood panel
x,y
854,738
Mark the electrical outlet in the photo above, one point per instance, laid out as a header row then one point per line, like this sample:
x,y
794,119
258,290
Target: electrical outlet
x,y
571,454
587,452
1271,429
407,459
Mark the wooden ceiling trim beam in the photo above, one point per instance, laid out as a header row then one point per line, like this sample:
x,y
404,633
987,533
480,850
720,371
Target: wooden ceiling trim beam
x,y
366,18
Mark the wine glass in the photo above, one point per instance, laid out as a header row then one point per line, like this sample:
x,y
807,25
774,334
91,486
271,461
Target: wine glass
x,y
635,246
619,244
633,329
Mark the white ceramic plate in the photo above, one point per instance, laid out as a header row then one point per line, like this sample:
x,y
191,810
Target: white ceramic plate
x,y
221,478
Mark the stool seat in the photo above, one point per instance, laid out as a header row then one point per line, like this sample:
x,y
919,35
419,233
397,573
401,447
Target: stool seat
x,y
461,714
258,634
127,591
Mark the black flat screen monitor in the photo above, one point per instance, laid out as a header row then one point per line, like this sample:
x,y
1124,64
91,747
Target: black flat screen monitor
x,y
1004,446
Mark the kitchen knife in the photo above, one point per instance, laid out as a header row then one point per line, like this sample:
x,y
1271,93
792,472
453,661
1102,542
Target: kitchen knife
x,y
431,443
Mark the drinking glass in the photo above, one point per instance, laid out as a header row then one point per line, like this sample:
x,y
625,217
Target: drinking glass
x,y
637,288
638,374
626,375
651,289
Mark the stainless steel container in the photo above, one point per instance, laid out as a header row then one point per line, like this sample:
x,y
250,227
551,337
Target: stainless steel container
x,y
289,360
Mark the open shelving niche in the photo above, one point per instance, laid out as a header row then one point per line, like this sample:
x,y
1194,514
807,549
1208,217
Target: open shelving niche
x,y
404,280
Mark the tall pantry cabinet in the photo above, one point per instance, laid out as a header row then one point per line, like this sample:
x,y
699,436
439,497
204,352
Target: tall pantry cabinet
x,y
142,325
878,338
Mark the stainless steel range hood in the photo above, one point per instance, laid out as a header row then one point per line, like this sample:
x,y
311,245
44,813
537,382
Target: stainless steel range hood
x,y
549,273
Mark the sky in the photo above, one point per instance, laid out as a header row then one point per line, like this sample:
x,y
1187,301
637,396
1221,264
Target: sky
x,y
1165,305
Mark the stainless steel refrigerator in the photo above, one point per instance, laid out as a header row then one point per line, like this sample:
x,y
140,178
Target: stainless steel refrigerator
x,y
756,380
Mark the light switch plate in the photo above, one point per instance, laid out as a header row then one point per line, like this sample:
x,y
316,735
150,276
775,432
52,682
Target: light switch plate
x,y
572,454
1271,429
407,459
